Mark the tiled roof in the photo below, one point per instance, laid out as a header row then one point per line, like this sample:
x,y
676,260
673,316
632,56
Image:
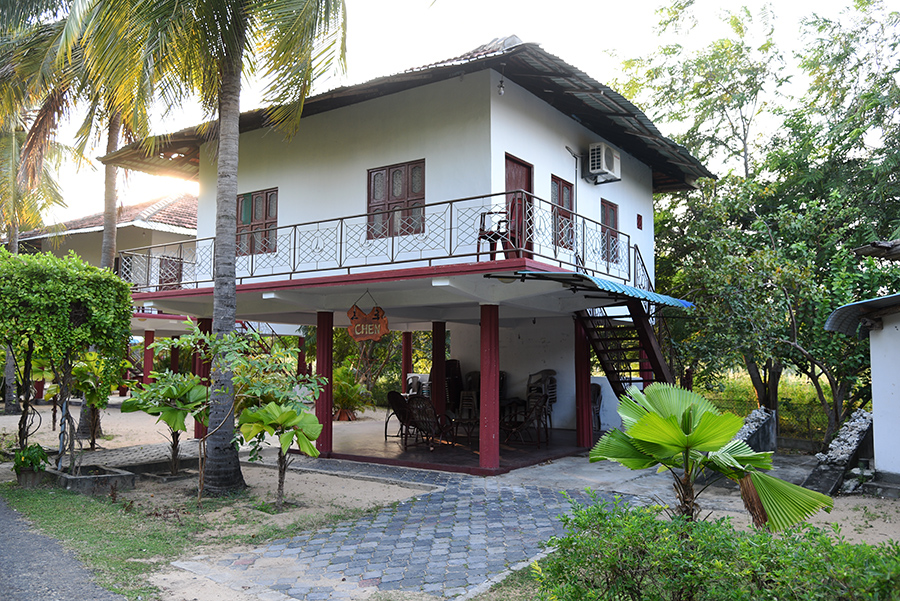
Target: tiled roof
x,y
176,211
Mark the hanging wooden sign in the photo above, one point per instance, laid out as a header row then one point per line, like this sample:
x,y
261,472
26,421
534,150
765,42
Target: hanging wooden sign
x,y
367,326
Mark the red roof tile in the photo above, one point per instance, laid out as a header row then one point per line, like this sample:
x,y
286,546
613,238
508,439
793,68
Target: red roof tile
x,y
177,210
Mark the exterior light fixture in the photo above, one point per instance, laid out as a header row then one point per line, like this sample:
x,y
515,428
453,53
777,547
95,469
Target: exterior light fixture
x,y
500,89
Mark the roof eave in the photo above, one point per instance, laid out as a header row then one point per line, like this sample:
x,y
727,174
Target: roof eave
x,y
596,106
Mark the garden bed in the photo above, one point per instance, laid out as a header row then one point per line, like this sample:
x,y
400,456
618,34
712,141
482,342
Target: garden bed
x,y
93,479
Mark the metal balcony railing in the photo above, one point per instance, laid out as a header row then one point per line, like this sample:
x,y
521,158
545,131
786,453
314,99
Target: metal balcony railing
x,y
482,228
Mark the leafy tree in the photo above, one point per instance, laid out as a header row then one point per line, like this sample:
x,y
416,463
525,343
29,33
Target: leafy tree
x,y
258,378
767,255
290,423
682,432
717,98
90,376
64,307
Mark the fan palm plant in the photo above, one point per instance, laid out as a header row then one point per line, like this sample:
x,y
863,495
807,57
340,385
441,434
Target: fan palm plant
x,y
682,432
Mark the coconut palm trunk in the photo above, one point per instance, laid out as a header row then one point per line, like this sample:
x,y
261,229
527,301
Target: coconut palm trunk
x,y
10,404
108,249
222,469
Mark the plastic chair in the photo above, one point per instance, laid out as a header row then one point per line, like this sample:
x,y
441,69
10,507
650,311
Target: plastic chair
x,y
467,416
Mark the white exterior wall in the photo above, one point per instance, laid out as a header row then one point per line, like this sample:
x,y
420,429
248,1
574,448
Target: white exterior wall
x,y
886,394
461,127
88,245
526,349
536,133
322,172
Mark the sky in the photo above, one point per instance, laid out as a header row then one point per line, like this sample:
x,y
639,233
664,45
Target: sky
x,y
388,36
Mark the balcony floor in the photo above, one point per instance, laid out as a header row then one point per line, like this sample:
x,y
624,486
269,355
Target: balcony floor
x,y
363,440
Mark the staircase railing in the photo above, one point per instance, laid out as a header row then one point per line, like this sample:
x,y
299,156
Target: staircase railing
x,y
660,324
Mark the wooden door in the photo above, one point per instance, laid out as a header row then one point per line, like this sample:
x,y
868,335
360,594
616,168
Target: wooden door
x,y
519,205
609,221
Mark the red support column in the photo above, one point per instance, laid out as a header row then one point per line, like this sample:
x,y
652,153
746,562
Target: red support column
x,y
325,369
405,359
439,366
201,368
149,336
174,358
584,421
489,437
301,356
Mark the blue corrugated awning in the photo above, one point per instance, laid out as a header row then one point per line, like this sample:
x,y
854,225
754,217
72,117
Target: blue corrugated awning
x,y
846,319
584,282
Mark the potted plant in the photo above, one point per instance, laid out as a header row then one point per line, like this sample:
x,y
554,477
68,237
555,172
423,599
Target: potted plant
x,y
29,465
349,396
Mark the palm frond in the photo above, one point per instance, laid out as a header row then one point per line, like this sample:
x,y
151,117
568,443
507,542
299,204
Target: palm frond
x,y
787,504
616,446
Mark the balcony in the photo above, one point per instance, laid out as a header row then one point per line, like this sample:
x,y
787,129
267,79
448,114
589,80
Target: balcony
x,y
483,228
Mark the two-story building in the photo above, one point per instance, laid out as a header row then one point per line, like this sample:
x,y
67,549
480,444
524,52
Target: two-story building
x,y
503,196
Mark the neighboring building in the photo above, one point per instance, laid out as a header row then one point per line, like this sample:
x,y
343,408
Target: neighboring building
x,y
879,320
168,220
165,220
503,195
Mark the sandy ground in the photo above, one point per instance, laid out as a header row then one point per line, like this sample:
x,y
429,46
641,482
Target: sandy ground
x,y
860,519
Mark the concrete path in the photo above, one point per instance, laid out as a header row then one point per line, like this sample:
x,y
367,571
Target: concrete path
x,y
36,567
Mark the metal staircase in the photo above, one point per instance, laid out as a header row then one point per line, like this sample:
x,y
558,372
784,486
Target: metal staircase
x,y
626,345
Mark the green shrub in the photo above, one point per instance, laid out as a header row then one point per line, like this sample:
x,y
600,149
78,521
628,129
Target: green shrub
x,y
614,551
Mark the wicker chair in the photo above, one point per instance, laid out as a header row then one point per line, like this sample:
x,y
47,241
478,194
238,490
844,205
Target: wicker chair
x,y
426,424
399,409
527,426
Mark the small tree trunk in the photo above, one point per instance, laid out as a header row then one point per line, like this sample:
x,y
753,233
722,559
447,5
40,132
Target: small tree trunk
x,y
26,397
752,502
173,461
10,403
282,471
108,246
765,382
684,492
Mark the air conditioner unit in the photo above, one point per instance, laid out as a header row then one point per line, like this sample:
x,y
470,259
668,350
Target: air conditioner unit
x,y
604,164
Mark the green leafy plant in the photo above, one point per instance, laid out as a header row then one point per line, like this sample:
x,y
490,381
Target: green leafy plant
x,y
680,431
349,396
92,378
615,551
172,397
33,457
289,423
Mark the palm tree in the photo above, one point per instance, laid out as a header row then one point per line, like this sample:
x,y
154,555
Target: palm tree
x,y
76,60
205,47
208,45
684,433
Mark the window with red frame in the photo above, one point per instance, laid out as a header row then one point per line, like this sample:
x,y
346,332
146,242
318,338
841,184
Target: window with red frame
x,y
562,197
396,200
257,218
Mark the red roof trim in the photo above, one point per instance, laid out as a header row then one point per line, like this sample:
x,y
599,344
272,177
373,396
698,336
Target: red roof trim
x,y
393,275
